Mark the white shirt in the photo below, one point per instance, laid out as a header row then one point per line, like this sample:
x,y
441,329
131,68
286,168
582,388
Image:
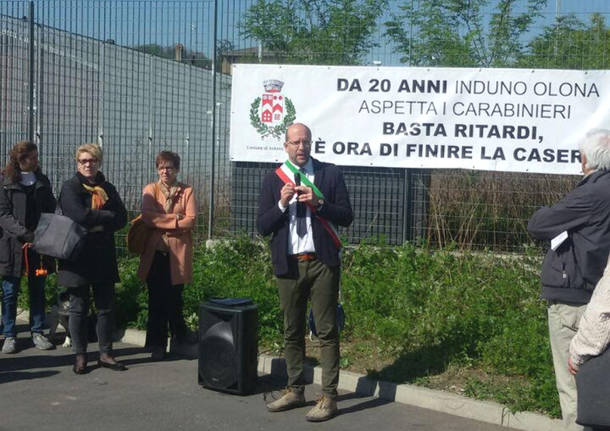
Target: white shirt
x,y
297,244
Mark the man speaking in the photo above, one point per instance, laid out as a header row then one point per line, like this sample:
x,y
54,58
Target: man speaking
x,y
299,204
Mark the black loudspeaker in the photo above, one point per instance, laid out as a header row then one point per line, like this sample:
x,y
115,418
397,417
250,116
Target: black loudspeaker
x,y
228,345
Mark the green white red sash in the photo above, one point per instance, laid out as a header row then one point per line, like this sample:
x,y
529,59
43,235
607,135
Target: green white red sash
x,y
286,173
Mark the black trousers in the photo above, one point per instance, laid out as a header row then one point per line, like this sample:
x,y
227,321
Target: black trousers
x,y
103,295
164,304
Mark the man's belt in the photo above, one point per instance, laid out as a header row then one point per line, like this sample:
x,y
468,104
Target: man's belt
x,y
304,257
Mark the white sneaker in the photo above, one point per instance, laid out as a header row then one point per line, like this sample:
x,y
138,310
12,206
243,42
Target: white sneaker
x,y
41,342
10,345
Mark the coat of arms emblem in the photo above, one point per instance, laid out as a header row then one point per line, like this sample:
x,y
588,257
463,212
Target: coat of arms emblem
x,y
271,113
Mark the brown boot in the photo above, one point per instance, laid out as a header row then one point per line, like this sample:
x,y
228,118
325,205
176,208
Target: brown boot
x,y
325,409
290,399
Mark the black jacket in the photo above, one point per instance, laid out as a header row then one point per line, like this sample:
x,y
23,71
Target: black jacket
x,y
272,221
13,201
97,262
570,273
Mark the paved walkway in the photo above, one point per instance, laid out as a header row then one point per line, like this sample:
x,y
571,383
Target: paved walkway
x,y
39,391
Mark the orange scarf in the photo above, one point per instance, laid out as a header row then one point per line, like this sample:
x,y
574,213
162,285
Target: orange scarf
x,y
98,196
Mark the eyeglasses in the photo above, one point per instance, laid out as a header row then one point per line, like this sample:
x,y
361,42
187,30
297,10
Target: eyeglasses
x,y
305,144
85,161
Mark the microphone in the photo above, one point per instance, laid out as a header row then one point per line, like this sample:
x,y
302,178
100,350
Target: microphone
x,y
301,210
297,181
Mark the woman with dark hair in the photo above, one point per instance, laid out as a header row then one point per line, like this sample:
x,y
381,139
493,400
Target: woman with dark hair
x,y
91,201
169,207
25,194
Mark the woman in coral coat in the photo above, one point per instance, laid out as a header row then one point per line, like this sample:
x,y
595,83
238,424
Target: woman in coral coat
x,y
166,265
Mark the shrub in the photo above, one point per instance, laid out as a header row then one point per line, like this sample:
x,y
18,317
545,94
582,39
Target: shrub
x,y
439,309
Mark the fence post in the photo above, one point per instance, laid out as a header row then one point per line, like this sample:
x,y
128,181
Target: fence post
x,y
39,93
213,168
31,74
407,207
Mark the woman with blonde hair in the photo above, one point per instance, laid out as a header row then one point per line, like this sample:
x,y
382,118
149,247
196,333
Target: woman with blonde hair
x,y
166,265
91,201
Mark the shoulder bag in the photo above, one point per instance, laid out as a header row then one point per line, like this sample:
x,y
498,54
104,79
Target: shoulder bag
x,y
594,392
58,236
138,233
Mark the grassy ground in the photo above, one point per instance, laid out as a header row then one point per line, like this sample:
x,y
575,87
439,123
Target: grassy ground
x,y
467,323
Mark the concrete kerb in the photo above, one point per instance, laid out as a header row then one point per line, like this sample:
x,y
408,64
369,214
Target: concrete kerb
x,y
446,402
484,411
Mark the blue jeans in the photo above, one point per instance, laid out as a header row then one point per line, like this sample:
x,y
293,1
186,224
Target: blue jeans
x,y
10,293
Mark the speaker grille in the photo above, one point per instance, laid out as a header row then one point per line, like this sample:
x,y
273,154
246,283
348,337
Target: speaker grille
x,y
218,364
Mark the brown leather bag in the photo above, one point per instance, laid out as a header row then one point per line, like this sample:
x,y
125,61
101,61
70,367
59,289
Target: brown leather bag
x,y
138,235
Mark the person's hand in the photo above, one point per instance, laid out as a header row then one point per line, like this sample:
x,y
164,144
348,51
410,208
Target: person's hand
x,y
26,237
306,195
572,367
286,194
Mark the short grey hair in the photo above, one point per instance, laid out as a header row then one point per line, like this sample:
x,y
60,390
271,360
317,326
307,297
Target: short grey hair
x,y
596,148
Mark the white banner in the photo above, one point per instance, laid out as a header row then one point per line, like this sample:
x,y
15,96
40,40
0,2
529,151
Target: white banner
x,y
490,119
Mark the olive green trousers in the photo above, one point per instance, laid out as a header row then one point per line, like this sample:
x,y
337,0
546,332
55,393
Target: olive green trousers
x,y
320,283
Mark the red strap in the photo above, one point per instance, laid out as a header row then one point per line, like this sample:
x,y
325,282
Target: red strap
x,y
280,173
25,256
40,272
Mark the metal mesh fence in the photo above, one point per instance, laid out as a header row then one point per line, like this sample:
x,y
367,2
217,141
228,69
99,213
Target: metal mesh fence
x,y
137,76
88,88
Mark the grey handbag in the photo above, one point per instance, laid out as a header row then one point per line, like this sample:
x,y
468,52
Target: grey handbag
x,y
58,236
594,391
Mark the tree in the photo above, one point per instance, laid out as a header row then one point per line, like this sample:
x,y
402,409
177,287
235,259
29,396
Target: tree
x,y
454,32
313,31
223,47
570,44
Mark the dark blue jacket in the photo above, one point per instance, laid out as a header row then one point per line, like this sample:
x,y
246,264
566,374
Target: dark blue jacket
x,y
570,273
272,221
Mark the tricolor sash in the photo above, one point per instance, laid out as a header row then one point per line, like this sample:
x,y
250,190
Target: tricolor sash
x,y
284,172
